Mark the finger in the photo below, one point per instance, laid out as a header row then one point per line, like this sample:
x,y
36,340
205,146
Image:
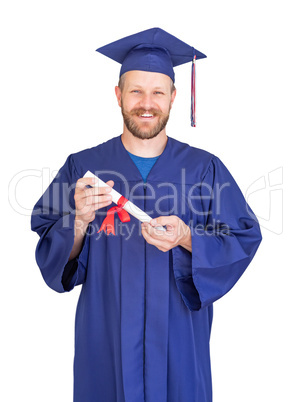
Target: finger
x,y
86,181
160,244
84,199
100,199
83,182
154,232
97,191
109,183
100,205
170,220
146,235
91,192
89,207
101,189
89,201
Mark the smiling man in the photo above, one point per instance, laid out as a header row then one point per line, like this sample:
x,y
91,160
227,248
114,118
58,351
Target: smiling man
x,y
144,315
145,99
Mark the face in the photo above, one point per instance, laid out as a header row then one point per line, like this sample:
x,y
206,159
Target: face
x,y
145,100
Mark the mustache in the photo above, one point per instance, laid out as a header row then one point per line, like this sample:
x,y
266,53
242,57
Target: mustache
x,y
140,111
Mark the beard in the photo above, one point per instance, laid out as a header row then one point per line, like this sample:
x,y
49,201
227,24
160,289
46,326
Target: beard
x,y
146,132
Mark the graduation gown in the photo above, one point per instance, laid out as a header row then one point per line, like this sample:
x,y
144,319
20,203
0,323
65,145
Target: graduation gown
x,y
144,316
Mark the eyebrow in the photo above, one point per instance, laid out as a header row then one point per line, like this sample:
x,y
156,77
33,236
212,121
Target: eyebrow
x,y
140,86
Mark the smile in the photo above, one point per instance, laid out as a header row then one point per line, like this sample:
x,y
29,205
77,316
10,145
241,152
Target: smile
x,y
146,115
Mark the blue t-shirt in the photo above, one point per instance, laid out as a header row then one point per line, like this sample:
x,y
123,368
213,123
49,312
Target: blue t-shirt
x,y
143,164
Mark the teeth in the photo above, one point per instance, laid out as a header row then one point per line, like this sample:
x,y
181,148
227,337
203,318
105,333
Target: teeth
x,y
147,115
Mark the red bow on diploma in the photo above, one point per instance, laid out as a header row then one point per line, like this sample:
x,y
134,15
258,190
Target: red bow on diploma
x,y
108,225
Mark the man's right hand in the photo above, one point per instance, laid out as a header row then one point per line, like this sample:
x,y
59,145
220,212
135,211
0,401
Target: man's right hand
x,y
89,200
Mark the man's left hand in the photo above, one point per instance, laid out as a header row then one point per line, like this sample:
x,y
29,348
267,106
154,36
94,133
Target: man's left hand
x,y
177,233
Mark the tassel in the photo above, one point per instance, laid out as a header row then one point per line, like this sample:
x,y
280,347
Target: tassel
x,y
108,225
193,101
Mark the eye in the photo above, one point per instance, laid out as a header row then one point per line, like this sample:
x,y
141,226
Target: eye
x,y
135,91
158,93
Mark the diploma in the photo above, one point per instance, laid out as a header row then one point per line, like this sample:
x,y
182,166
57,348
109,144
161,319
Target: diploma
x,y
127,206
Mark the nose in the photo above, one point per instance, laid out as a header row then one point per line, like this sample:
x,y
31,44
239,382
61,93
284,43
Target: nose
x,y
146,102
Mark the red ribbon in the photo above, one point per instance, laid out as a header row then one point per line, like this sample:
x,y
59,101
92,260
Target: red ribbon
x,y
108,225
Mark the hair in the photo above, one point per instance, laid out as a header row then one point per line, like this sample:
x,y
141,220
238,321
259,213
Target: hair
x,y
122,79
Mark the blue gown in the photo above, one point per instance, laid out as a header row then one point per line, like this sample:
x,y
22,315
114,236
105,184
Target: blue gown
x,y
144,316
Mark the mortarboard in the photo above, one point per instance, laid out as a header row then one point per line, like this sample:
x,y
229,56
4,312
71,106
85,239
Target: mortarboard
x,y
154,50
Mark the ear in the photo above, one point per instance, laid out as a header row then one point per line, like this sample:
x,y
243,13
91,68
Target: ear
x,y
172,98
118,95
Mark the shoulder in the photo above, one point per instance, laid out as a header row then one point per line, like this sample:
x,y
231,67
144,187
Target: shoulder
x,y
191,157
91,158
93,151
190,151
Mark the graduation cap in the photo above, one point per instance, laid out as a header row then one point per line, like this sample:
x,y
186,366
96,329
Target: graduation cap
x,y
157,51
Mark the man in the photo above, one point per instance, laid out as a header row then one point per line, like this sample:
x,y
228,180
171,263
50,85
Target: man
x,y
144,315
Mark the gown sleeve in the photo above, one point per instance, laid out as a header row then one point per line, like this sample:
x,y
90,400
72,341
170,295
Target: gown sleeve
x,y
53,220
224,241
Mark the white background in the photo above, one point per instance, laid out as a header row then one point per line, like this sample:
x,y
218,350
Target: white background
x,y
57,97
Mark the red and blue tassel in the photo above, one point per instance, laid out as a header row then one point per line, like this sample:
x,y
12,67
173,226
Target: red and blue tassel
x,y
193,100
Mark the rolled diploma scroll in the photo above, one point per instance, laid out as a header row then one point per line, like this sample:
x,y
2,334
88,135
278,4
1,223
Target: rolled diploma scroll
x,y
129,206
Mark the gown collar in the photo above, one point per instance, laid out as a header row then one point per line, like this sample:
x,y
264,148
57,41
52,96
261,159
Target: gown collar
x,y
156,173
